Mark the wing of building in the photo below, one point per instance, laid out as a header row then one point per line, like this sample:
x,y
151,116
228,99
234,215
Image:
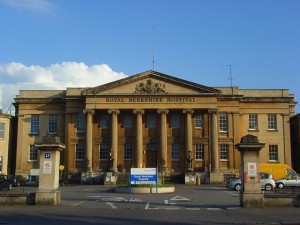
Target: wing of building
x,y
153,120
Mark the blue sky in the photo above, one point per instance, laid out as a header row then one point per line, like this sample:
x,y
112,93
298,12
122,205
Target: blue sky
x,y
48,44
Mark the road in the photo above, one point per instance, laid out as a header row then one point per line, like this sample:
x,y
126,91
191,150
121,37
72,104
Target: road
x,y
95,204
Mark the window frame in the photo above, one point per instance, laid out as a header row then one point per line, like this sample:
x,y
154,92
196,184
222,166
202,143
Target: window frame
x,y
128,152
80,123
33,153
79,151
199,152
103,122
151,121
52,124
34,124
199,121
272,121
224,152
273,153
128,122
103,152
2,130
175,121
223,122
253,122
151,147
175,152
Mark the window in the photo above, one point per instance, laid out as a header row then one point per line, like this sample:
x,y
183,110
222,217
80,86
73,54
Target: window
x,y
223,121
32,179
103,152
33,153
80,122
199,121
253,122
127,152
34,124
272,122
199,152
2,129
151,147
128,121
151,121
273,152
52,124
104,121
175,121
175,152
224,149
79,152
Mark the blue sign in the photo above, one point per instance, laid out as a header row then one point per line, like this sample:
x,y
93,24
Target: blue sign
x,y
143,176
47,155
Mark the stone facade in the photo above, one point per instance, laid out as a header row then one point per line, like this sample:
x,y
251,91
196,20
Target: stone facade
x,y
153,120
295,141
5,142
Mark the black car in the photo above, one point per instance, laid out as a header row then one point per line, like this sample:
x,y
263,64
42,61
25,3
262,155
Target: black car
x,y
17,180
5,183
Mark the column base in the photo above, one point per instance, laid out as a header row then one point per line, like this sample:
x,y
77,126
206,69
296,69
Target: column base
x,y
216,178
47,197
192,178
252,200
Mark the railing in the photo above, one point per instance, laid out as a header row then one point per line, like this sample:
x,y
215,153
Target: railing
x,y
291,190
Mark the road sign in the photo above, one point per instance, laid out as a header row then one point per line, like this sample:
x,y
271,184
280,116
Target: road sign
x,y
47,155
47,167
252,171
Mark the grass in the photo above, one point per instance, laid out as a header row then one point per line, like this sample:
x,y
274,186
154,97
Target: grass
x,y
146,185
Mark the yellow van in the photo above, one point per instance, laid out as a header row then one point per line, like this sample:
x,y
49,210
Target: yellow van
x,y
278,171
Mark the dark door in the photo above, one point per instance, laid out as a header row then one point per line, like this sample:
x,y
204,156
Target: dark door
x,y
151,158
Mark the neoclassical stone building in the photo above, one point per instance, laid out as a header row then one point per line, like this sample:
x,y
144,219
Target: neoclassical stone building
x,y
5,141
153,120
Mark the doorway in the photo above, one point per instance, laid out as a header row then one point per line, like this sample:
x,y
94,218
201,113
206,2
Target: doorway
x,y
151,156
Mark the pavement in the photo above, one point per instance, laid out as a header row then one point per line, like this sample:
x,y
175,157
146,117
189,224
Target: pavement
x,y
188,205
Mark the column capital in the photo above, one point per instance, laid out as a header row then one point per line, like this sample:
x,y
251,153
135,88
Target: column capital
x,y
89,111
165,111
114,111
139,111
188,111
212,111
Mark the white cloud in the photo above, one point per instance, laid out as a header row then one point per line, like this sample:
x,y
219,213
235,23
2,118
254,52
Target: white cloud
x,y
41,6
16,76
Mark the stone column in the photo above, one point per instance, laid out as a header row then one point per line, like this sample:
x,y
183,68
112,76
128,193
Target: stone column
x,y
114,136
163,137
188,132
139,137
250,194
89,138
48,192
215,175
213,139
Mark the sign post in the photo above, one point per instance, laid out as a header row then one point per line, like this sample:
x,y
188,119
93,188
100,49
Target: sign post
x,y
143,176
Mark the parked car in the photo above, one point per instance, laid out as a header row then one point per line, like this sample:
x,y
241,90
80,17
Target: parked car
x,y
266,181
290,181
5,183
17,180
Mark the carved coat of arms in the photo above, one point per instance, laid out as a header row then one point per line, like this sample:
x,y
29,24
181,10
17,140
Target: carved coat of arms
x,y
149,87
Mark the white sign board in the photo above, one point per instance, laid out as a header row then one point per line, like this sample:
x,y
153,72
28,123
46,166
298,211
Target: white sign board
x,y
47,167
143,175
34,172
252,171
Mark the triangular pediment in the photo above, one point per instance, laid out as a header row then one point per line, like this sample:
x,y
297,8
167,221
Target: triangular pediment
x,y
151,83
